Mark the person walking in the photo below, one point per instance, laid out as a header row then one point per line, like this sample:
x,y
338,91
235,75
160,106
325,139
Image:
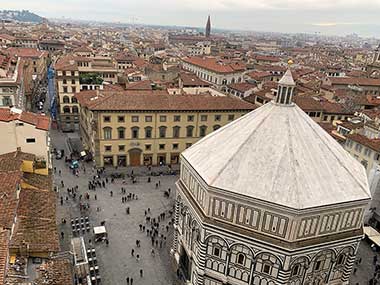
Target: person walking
x,y
131,281
133,252
141,272
137,257
127,280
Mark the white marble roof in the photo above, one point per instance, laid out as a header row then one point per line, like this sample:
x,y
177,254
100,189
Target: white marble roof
x,y
287,79
280,155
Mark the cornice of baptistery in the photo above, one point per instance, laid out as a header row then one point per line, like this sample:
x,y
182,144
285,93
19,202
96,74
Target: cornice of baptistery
x,y
211,223
286,226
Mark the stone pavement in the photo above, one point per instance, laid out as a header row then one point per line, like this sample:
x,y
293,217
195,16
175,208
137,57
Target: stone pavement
x,y
115,260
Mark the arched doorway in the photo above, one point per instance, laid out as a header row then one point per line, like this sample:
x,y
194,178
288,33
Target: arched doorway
x,y
135,157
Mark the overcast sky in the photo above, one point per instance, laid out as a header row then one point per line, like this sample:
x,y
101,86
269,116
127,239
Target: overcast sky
x,y
310,16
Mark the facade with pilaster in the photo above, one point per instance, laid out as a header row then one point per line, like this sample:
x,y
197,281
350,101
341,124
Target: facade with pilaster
x,y
278,202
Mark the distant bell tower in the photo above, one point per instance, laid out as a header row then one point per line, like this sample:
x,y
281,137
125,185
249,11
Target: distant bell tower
x,y
208,27
376,58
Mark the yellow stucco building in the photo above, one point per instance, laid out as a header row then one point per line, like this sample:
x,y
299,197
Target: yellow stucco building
x,y
132,128
76,73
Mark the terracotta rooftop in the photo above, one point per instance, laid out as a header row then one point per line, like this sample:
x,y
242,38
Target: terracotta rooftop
x,y
259,75
39,121
361,81
122,56
4,239
157,101
269,58
7,37
242,86
334,108
373,113
140,85
66,63
12,161
277,68
36,224
43,182
190,79
308,103
83,49
26,52
373,144
9,182
55,272
213,64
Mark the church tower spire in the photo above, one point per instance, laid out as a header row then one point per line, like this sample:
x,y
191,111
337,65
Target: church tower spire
x,y
208,27
285,88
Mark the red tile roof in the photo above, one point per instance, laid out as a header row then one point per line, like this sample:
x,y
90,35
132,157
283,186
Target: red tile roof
x,y
363,140
334,108
39,121
131,100
7,37
140,85
66,63
259,75
55,272
26,52
9,182
308,103
361,81
36,222
269,58
4,240
213,64
242,86
190,79
12,161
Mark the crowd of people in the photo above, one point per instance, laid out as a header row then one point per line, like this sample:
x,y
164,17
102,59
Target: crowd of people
x,y
154,228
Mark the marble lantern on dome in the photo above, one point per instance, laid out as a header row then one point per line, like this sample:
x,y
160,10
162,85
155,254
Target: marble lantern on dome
x,y
270,198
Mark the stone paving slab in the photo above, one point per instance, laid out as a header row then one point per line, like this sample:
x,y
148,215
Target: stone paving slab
x,y
115,260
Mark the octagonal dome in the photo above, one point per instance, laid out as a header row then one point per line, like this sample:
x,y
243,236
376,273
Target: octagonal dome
x,y
278,154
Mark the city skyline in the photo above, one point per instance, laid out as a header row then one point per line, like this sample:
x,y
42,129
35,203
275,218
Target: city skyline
x,y
294,16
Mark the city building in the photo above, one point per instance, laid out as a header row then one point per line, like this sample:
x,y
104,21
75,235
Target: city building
x,y
214,71
52,45
134,127
75,73
12,88
26,131
364,149
368,86
270,198
199,49
33,73
373,69
241,90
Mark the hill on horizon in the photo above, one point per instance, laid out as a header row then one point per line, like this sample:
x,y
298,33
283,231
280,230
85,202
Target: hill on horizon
x,y
20,16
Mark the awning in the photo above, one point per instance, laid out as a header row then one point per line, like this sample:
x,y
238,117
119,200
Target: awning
x,y
100,230
372,235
